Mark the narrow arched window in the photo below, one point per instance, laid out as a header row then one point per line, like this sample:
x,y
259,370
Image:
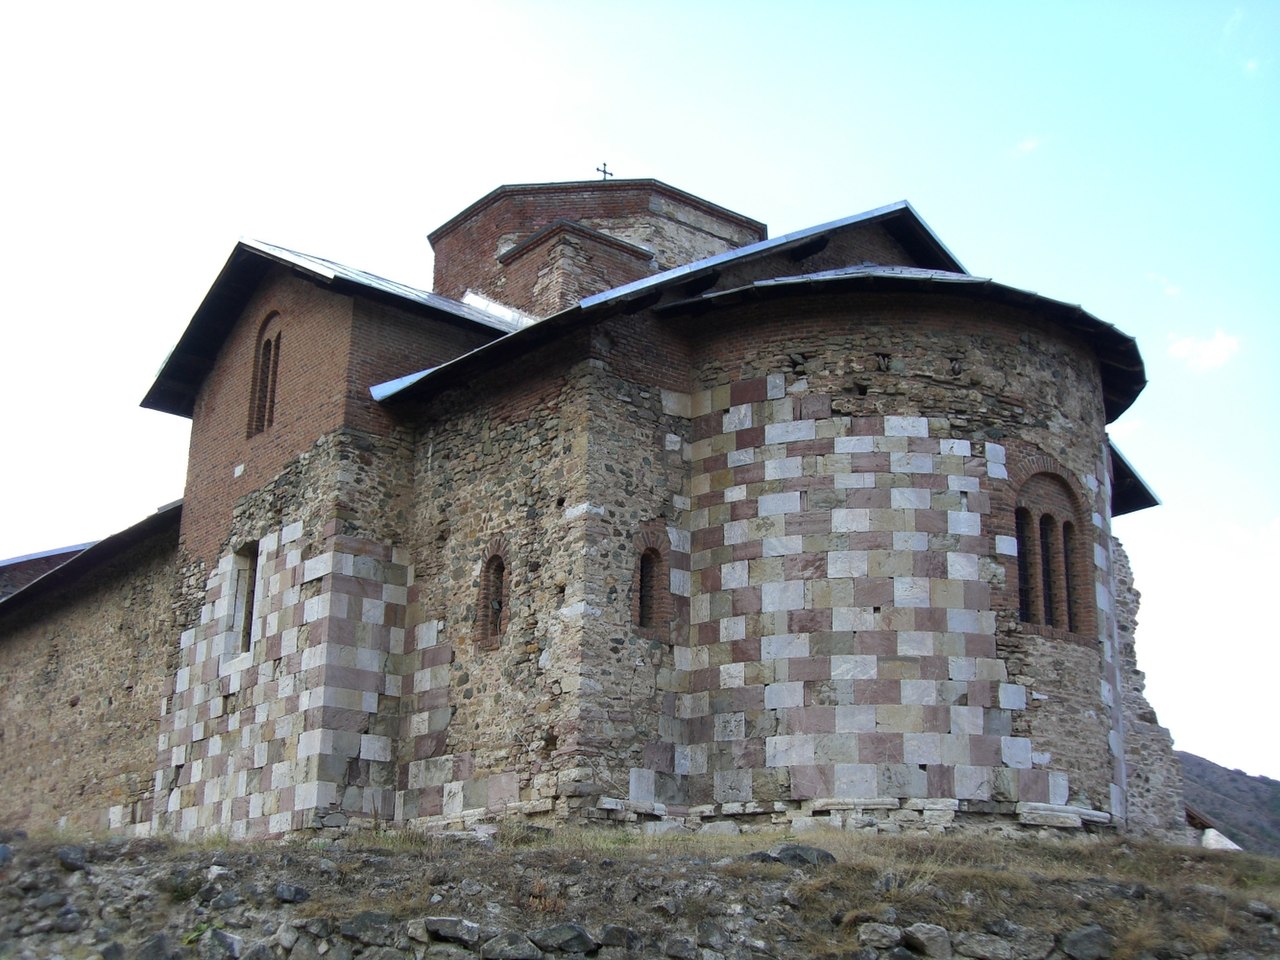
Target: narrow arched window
x,y
266,369
244,593
651,597
1048,535
1053,572
1070,598
650,567
491,618
1023,518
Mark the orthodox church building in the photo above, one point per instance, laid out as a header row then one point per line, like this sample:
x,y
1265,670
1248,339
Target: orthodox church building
x,y
640,516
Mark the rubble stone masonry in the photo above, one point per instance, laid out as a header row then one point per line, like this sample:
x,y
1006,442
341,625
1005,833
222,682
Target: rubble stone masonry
x,y
1155,787
80,679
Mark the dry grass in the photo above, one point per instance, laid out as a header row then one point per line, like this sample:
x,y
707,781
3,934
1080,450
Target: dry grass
x,y
1139,939
1150,896
964,883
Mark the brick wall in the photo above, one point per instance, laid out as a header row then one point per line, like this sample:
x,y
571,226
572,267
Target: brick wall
x,y
387,343
310,400
333,348
676,227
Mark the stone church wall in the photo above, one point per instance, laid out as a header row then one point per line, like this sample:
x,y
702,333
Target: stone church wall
x,y
843,641
759,560
81,674
283,710
490,721
567,475
639,476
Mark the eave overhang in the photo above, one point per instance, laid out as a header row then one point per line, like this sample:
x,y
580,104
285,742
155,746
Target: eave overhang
x,y
1123,373
167,517
899,219
1129,492
1122,370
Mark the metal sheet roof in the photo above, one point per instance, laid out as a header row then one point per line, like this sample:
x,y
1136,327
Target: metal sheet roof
x,y
1129,492
899,218
164,520
380,391
901,210
42,554
179,379
329,270
1123,373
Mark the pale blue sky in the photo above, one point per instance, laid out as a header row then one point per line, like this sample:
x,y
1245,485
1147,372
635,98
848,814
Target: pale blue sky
x,y
1120,156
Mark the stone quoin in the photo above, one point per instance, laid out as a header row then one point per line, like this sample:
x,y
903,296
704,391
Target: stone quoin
x,y
641,517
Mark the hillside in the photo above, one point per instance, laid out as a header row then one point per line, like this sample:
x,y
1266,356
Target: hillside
x,y
1247,809
610,895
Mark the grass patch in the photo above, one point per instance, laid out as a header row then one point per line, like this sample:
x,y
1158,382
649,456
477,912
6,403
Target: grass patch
x,y
1153,898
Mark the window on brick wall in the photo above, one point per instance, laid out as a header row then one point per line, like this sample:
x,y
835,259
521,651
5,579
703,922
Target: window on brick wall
x,y
1068,581
266,369
1050,572
1024,564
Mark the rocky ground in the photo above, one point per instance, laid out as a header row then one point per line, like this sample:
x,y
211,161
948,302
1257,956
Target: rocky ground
x,y
614,895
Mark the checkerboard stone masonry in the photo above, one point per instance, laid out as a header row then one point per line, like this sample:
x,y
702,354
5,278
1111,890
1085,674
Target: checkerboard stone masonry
x,y
840,630
256,741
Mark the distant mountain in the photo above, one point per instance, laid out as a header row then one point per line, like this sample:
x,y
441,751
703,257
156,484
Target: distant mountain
x,y
1245,808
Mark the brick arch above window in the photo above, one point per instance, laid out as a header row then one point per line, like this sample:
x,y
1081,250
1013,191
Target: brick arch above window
x,y
1021,469
1054,576
652,605
266,373
493,597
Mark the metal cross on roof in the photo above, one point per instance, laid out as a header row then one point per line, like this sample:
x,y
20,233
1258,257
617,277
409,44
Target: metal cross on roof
x,y
604,171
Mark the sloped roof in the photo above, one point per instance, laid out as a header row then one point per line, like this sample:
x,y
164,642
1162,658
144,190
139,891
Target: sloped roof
x,y
1129,492
1123,374
899,219
692,287
17,572
175,387
166,518
68,552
